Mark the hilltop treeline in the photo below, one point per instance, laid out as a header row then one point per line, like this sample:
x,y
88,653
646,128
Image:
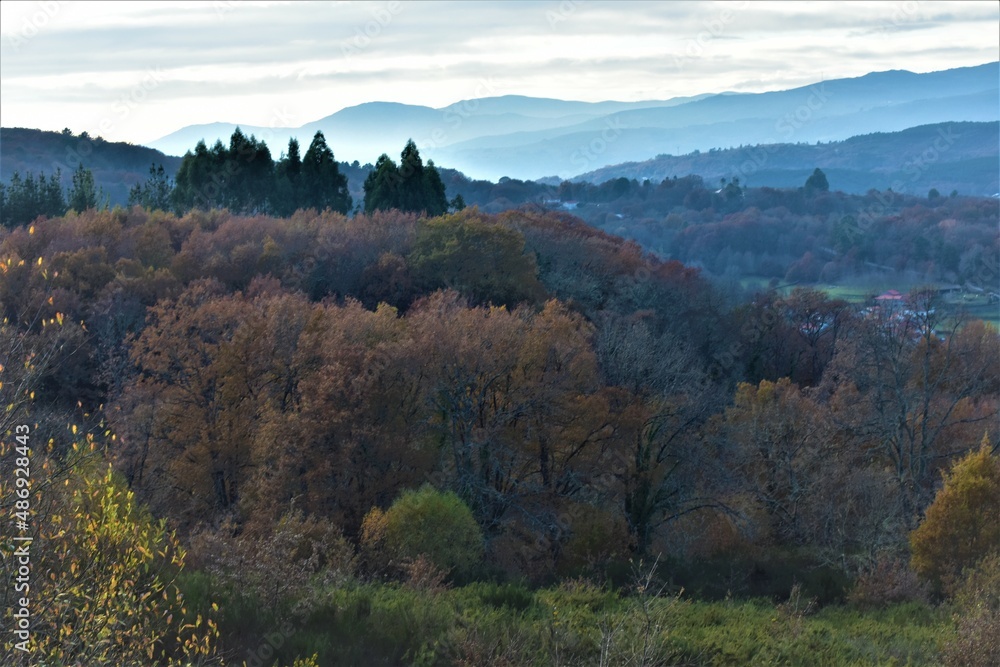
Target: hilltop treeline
x,y
798,235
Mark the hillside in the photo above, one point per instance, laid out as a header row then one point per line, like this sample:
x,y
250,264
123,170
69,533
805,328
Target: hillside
x,y
116,166
908,161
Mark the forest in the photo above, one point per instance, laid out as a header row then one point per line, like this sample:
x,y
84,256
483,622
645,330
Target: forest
x,y
814,235
270,424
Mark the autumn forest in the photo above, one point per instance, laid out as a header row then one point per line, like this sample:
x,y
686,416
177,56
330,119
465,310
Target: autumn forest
x,y
471,438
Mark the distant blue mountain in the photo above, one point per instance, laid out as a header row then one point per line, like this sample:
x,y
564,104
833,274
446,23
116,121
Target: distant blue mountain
x,y
528,137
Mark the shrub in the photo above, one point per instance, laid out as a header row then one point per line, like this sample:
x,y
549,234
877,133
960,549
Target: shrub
x,y
105,575
428,522
888,581
977,603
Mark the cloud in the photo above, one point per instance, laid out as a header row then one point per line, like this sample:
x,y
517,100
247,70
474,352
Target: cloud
x,y
62,62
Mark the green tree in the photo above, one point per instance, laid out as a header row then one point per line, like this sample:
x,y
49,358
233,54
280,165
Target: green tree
x,y
83,194
382,186
435,201
411,187
485,262
249,174
288,181
154,193
817,182
412,184
962,525
429,523
25,199
191,189
323,184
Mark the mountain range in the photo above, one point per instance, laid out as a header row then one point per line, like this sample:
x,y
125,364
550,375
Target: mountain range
x,y
907,131
531,138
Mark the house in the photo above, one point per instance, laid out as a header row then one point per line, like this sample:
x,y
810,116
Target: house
x,y
891,295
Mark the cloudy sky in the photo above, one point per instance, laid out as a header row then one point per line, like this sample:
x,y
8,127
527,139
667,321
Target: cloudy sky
x,y
137,71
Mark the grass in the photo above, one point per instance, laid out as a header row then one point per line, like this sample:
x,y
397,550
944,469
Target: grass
x,y
577,622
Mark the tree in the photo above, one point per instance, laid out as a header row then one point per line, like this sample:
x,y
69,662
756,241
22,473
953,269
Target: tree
x,y
323,184
485,262
202,181
288,181
25,199
412,183
436,203
911,397
249,173
104,587
83,195
962,525
410,187
817,182
154,194
382,186
430,523
780,452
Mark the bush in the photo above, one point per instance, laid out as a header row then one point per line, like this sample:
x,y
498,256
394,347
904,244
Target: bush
x,y
106,575
889,581
977,603
428,522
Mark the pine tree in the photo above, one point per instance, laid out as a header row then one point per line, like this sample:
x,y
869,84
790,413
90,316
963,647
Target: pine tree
x,y
382,186
83,194
288,181
154,193
323,184
434,198
412,186
817,182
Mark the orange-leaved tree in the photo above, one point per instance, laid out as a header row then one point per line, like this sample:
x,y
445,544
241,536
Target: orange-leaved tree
x,y
962,525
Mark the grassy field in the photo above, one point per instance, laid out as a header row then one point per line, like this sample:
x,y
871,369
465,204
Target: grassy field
x,y
579,624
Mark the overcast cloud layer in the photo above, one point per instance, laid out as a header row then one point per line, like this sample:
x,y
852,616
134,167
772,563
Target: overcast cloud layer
x,y
137,71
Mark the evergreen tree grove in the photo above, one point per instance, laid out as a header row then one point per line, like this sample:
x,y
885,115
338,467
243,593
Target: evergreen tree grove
x,y
411,186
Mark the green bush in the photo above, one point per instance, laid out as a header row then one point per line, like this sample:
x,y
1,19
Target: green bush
x,y
428,522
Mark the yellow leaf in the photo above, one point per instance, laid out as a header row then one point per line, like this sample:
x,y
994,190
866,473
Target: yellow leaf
x,y
39,261
31,230
74,429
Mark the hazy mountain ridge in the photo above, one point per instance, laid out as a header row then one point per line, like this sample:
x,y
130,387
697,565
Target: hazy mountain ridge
x,y
524,137
856,165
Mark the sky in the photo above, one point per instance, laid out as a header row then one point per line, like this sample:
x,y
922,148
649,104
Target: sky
x,y
136,71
